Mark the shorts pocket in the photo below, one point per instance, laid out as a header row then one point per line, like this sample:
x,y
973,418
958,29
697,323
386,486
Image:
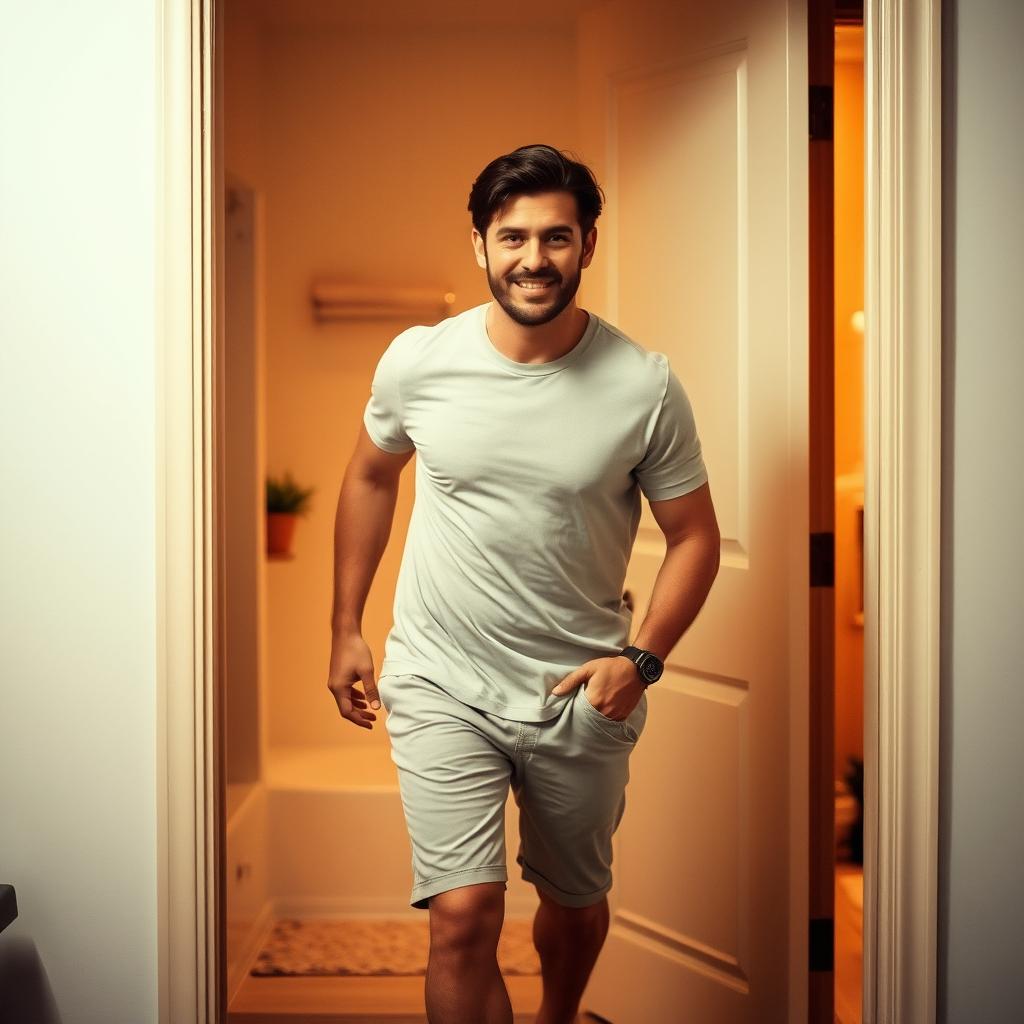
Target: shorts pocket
x,y
384,690
628,728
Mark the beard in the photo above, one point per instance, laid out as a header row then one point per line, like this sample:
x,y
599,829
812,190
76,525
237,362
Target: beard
x,y
532,312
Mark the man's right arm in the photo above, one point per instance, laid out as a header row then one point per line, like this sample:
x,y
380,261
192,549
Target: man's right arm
x,y
362,526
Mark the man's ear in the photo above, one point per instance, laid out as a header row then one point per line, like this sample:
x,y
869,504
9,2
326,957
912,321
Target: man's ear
x,y
589,244
478,247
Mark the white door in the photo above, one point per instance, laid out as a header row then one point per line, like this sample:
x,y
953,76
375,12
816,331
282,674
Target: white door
x,y
698,112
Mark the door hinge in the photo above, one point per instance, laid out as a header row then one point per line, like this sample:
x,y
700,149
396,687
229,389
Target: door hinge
x,y
820,112
823,560
820,944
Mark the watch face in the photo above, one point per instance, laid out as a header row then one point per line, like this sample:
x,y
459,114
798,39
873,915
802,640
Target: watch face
x,y
651,670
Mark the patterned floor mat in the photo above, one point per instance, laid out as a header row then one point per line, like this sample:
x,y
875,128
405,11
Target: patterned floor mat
x,y
374,947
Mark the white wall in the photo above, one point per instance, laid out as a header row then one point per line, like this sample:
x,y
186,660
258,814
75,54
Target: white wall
x,y
981,952
77,678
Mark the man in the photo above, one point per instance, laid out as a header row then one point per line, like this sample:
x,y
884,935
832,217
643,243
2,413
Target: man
x,y
537,426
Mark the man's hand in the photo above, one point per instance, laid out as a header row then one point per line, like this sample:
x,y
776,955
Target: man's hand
x,y
351,661
615,687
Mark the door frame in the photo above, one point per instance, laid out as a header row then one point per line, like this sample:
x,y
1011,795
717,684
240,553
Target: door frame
x,y
902,416
901,511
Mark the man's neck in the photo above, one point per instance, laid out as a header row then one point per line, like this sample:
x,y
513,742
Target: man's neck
x,y
540,344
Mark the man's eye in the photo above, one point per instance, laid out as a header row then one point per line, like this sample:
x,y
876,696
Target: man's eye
x,y
558,236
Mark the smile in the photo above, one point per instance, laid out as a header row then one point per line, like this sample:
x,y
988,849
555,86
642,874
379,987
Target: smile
x,y
532,286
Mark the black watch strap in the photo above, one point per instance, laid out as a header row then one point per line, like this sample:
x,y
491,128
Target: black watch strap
x,y
648,665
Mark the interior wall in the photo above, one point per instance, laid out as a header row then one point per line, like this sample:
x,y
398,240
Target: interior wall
x,y
79,179
242,391
372,139
243,91
982,700
849,393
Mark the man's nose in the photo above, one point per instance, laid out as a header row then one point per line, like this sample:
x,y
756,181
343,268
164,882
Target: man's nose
x,y
535,258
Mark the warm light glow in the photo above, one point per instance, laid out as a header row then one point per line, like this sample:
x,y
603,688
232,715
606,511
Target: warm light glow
x,y
449,297
857,321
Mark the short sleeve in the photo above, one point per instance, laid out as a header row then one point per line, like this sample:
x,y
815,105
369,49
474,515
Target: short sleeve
x,y
673,464
383,415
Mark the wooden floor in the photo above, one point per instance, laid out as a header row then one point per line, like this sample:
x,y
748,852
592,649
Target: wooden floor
x,y
262,1000
394,1000
849,957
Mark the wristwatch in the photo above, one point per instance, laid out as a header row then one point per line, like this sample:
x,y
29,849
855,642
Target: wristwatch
x,y
648,665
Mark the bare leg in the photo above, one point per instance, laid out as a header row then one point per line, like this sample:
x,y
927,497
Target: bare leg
x,y
568,940
464,984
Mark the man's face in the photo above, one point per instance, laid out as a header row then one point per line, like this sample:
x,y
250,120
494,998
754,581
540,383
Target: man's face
x,y
535,240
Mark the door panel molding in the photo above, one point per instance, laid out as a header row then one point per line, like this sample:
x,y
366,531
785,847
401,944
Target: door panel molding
x,y
697,956
633,99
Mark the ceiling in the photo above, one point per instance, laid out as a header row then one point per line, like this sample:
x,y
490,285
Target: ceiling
x,y
382,13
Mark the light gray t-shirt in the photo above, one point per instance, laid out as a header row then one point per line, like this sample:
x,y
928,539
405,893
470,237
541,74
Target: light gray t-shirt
x,y
528,484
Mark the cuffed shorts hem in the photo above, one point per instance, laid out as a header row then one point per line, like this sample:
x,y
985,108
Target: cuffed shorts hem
x,y
422,891
567,899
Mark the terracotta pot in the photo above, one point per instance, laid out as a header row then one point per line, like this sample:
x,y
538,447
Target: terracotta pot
x,y
280,530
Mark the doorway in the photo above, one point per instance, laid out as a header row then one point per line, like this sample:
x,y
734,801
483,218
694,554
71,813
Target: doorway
x,y
668,105
202,820
849,518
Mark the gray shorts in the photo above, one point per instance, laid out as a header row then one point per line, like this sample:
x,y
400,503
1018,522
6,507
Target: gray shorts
x,y
455,766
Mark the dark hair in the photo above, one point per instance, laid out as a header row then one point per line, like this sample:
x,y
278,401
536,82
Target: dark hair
x,y
528,170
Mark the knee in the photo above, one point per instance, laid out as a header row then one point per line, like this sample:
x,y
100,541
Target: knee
x,y
467,920
580,924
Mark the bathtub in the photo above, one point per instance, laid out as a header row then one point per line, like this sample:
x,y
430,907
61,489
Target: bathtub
x,y
324,836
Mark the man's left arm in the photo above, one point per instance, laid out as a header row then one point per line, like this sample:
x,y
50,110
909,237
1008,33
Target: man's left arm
x,y
682,585
689,568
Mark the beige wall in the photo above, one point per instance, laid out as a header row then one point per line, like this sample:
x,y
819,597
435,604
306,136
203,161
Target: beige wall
x,y
243,86
244,642
366,142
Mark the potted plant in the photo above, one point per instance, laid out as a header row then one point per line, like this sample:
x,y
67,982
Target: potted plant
x,y
285,501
